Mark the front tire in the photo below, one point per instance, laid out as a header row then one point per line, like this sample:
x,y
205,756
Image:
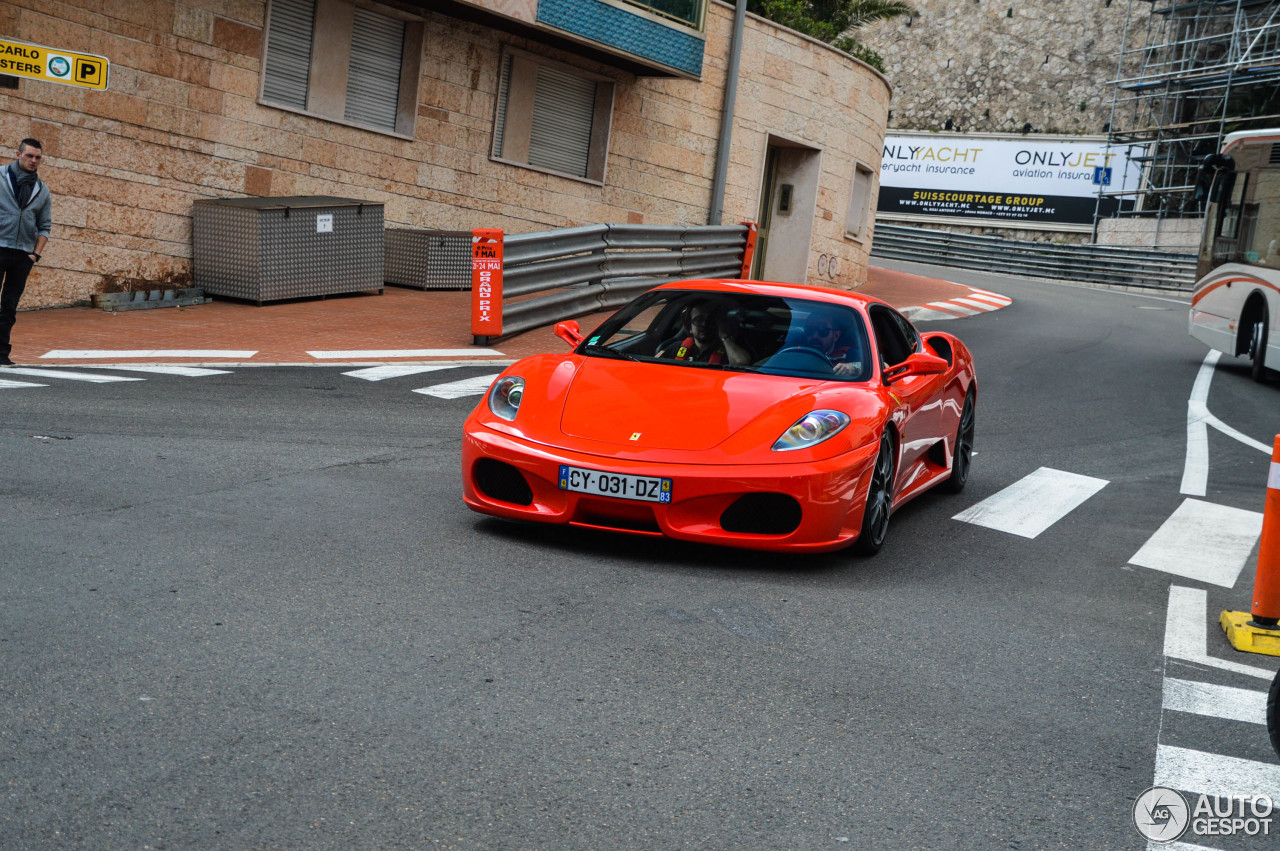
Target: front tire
x,y
875,517
1258,348
962,454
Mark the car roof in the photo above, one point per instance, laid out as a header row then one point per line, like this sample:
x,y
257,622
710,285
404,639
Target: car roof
x,y
775,288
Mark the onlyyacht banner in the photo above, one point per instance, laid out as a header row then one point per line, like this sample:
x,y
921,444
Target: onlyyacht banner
x,y
1015,181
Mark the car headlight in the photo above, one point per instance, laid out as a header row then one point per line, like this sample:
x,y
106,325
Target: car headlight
x,y
505,395
811,429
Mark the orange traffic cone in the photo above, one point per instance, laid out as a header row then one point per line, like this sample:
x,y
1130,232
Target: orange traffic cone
x,y
1261,634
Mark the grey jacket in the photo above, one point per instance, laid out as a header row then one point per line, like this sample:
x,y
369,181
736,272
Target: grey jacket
x,y
19,228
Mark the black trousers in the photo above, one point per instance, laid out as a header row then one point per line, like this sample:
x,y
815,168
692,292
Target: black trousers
x,y
15,265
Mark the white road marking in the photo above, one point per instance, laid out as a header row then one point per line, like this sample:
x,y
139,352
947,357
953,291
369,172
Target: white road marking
x,y
72,354
1177,846
1195,470
1234,704
396,370
70,376
187,371
1034,503
978,303
1214,774
13,385
1186,633
458,389
924,314
1000,300
1203,541
954,308
362,354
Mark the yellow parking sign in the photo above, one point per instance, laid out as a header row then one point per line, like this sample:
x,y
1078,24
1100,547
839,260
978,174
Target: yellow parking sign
x,y
53,65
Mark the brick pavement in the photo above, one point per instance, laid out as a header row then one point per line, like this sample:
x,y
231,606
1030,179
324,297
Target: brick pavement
x,y
400,319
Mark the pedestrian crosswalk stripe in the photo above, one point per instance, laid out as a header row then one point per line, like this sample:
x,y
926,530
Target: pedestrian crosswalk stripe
x,y
1215,701
158,369
69,376
365,354
11,385
397,370
1186,633
1214,774
1034,503
1202,541
97,354
458,389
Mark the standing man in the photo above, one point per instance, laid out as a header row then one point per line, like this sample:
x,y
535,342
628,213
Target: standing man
x,y
26,213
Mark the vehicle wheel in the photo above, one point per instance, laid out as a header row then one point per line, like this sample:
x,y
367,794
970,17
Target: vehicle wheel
x,y
1258,348
875,519
962,456
1273,713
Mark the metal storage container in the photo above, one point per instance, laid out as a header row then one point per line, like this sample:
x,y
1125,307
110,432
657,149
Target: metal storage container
x,y
429,259
270,249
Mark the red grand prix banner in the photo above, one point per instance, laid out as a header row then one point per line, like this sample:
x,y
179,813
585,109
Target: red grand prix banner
x,y
486,283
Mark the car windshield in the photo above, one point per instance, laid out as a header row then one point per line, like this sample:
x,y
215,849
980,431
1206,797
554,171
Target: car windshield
x,y
746,332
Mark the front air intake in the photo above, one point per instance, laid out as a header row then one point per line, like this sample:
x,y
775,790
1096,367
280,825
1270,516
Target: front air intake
x,y
762,514
500,481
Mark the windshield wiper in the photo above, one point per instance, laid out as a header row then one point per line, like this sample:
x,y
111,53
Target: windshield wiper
x,y
605,351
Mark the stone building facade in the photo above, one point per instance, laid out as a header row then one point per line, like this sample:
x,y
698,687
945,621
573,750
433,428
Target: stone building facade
x,y
999,65
184,118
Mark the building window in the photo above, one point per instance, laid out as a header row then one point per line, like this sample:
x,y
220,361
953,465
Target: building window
x,y
685,11
349,62
552,117
855,224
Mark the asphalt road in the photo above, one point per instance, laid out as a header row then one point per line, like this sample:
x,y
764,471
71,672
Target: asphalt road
x,y
251,610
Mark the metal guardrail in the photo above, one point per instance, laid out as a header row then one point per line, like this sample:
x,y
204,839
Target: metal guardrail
x,y
1101,264
551,276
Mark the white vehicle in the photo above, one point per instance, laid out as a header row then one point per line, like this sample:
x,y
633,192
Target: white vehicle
x,y
1236,305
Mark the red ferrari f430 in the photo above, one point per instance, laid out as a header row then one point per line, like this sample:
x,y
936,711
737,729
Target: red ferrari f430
x,y
748,414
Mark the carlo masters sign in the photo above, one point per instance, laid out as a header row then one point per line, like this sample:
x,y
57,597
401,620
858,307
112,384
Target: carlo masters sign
x,y
1047,183
53,65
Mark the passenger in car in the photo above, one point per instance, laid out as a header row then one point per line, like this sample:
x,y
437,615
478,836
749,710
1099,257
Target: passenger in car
x,y
824,332
705,338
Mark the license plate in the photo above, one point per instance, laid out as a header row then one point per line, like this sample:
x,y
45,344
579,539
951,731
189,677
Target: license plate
x,y
617,485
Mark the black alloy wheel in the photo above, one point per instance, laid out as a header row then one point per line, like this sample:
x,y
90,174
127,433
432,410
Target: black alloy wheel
x,y
962,455
875,518
1258,348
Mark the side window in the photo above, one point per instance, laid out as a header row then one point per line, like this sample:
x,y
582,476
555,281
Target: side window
x,y
893,342
356,63
1261,239
552,117
908,331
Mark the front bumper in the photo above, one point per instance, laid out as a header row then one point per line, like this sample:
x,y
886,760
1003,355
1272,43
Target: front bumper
x,y
831,494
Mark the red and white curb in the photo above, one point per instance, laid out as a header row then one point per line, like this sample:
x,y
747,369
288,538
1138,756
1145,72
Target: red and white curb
x,y
977,301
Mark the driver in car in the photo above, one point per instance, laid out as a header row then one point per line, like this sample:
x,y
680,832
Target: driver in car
x,y
823,332
705,339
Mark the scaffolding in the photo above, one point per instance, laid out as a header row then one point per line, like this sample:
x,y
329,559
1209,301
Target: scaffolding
x,y
1202,69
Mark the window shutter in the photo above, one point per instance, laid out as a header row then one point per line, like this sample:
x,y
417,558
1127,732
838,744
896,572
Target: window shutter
x,y
500,122
373,83
563,111
288,64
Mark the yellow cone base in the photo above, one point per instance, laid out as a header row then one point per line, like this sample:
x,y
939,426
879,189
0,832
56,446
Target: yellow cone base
x,y
1249,639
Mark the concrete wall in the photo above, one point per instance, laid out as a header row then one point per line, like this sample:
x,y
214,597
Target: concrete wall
x,y
182,121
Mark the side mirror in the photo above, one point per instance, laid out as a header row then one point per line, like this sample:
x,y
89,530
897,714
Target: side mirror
x,y
569,332
919,363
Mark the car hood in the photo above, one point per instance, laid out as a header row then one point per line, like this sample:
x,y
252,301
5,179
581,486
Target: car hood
x,y
660,406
